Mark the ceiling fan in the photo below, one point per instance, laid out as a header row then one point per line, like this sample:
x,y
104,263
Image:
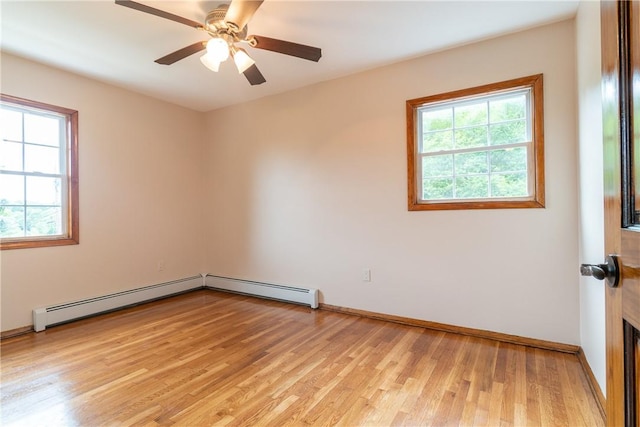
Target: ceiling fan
x,y
227,25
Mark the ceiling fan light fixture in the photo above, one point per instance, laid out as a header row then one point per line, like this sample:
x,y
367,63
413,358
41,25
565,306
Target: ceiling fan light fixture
x,y
218,49
227,25
242,59
210,63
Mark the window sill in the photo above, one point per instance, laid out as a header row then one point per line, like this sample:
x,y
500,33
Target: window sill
x,y
39,243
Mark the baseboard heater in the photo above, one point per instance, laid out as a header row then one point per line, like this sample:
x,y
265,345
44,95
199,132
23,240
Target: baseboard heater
x,y
264,290
62,313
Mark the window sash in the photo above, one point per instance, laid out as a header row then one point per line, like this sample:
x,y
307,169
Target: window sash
x,y
453,105
487,99
530,165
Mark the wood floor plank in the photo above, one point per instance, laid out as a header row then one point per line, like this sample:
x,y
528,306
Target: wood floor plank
x,y
209,358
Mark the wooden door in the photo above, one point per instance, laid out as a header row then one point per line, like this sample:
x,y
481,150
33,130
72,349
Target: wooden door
x,y
621,126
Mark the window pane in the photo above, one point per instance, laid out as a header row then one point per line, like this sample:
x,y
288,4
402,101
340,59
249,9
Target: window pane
x,y
437,166
437,141
509,185
471,137
509,160
41,159
43,191
437,119
508,109
508,133
11,190
11,221
11,125
437,188
471,187
42,130
470,115
467,163
43,221
11,156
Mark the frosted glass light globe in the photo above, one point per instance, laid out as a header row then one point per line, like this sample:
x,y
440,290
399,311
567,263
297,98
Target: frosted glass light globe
x,y
209,63
217,49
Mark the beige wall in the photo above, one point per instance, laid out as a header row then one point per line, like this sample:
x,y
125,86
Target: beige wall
x,y
308,188
592,304
140,195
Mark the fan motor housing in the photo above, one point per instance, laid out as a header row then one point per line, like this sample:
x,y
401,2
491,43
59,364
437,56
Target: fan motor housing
x,y
215,23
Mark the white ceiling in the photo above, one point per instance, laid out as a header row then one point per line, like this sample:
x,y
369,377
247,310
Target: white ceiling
x,y
118,45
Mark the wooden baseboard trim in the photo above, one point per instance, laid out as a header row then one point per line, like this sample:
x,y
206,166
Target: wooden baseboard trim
x,y
478,333
16,332
593,383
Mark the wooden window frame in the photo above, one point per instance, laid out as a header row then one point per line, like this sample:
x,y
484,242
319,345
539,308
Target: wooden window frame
x,y
535,200
72,235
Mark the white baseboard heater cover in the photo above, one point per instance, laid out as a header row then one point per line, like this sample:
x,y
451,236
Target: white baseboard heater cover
x,y
265,290
48,316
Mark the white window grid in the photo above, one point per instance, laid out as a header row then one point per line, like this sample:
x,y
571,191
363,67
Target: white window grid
x,y
62,175
528,144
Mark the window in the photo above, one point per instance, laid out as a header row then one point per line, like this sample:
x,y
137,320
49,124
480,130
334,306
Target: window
x,y
479,148
38,174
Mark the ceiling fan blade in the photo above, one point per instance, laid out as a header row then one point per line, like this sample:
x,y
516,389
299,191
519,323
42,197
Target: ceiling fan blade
x,y
181,53
254,75
288,48
240,12
157,12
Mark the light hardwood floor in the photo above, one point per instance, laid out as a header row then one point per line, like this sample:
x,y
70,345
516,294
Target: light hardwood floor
x,y
208,358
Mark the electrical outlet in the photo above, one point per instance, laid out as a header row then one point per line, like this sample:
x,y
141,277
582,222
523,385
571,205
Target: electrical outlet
x,y
366,275
161,264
